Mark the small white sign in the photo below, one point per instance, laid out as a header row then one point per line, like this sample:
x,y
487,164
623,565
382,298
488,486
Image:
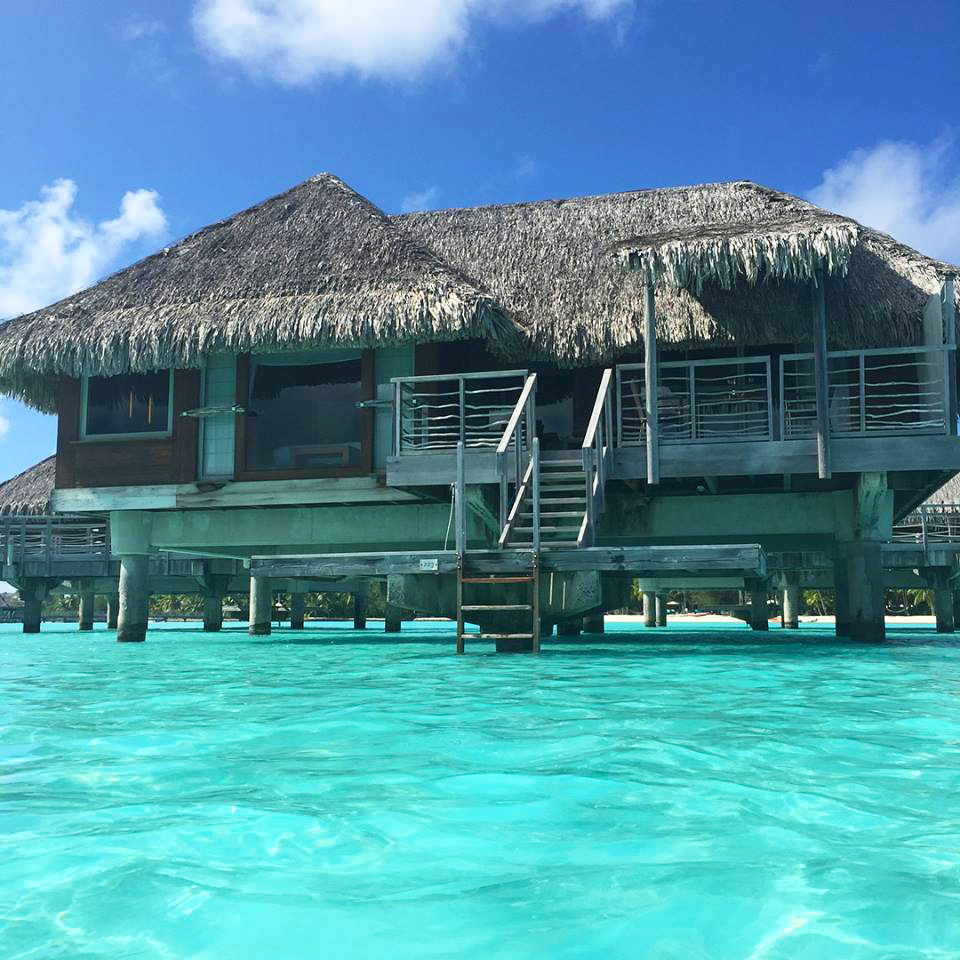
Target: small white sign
x,y
432,565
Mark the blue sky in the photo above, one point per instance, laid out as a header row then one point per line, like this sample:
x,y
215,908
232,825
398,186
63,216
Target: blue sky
x,y
126,125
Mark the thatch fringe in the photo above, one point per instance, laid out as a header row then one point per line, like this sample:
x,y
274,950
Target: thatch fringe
x,y
316,266
551,264
791,252
29,493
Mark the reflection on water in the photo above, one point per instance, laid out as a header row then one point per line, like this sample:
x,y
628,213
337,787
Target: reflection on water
x,y
698,794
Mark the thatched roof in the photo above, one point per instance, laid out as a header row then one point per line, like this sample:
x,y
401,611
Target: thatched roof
x,y
948,493
555,266
29,493
317,265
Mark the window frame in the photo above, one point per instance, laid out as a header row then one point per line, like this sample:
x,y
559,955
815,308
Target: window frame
x,y
365,468
164,434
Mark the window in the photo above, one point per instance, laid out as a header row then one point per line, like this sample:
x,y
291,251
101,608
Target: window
x,y
303,411
129,404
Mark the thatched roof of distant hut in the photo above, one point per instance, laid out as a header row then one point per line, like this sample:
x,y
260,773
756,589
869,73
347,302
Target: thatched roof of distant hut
x,y
553,264
29,493
948,493
317,265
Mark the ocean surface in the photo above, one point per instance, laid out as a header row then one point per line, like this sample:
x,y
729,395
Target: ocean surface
x,y
689,793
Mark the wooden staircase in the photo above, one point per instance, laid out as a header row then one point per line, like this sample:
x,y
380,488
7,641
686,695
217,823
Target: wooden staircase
x,y
491,596
563,505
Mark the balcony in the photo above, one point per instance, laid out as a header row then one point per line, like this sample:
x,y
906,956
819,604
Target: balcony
x,y
738,416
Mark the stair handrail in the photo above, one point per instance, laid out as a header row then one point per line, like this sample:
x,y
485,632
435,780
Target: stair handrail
x,y
526,464
597,450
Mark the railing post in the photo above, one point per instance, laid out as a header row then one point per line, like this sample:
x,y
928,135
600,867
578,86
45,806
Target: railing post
x,y
923,530
824,469
651,385
692,390
588,478
463,410
397,418
949,310
863,393
459,513
535,462
504,490
769,397
619,406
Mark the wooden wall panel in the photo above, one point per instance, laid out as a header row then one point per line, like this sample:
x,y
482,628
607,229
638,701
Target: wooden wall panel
x,y
140,461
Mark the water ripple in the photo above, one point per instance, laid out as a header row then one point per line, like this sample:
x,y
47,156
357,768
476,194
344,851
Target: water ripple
x,y
303,796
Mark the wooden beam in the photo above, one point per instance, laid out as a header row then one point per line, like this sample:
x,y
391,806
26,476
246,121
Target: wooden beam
x,y
949,309
650,383
820,370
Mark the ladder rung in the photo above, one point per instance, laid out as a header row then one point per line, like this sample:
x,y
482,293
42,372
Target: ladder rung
x,y
496,606
496,580
549,528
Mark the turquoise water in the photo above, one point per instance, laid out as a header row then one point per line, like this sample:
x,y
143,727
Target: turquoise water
x,y
332,795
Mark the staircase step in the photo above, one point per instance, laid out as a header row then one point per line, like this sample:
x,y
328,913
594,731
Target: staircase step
x,y
553,513
497,636
565,475
560,543
560,487
474,607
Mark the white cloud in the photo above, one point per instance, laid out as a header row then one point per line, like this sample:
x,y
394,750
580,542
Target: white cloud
x,y
907,190
4,426
423,200
297,41
138,29
48,252
526,167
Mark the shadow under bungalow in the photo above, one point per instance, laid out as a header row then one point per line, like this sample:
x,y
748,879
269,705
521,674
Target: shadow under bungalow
x,y
510,412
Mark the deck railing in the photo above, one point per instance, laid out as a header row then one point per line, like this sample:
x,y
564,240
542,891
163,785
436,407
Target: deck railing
x,y
597,450
929,523
698,400
53,539
518,464
438,412
870,392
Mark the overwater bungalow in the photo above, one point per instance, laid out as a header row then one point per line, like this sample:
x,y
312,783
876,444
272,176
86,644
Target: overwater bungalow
x,y
507,412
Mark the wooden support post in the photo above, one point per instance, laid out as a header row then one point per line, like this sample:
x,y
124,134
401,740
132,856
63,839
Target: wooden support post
x,y
938,579
113,610
821,376
758,605
661,609
593,622
212,611
85,612
459,496
360,609
841,592
649,608
261,606
949,310
866,591
791,601
298,610
570,628
651,384
134,598
33,593
393,619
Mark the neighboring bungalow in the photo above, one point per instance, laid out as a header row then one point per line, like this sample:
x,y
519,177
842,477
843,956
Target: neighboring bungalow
x,y
508,411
